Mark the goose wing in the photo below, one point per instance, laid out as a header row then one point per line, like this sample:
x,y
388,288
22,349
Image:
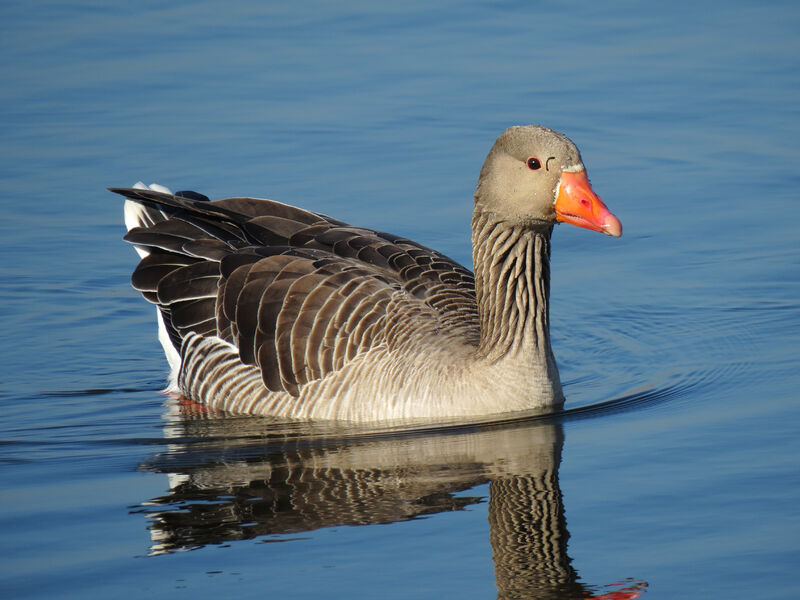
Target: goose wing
x,y
297,293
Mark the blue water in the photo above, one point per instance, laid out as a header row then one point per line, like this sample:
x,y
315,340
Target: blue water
x,y
676,462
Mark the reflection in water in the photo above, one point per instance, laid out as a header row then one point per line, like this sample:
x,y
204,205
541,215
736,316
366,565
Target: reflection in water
x,y
236,478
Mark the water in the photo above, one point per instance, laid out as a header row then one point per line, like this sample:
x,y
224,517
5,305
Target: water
x,y
676,461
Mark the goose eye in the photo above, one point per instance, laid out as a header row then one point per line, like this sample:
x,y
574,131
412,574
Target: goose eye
x,y
534,164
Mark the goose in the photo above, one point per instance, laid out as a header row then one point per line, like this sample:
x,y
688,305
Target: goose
x,y
268,309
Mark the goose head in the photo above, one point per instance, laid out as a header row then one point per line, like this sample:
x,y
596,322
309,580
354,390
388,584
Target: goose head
x,y
535,176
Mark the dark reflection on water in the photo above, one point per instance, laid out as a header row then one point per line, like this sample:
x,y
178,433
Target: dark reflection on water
x,y
235,478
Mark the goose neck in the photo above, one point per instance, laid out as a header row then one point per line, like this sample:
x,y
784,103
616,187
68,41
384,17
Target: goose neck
x,y
512,281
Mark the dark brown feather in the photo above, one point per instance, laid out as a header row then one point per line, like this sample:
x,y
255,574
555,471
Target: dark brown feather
x,y
209,249
269,358
186,315
198,280
291,334
153,268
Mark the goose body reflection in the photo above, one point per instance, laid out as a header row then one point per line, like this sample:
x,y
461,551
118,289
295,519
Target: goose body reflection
x,y
231,481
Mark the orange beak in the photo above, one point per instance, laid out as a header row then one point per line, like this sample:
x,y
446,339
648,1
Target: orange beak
x,y
577,204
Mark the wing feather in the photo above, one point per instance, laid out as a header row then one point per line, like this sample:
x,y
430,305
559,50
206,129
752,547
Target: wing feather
x,y
154,267
186,315
296,321
298,293
197,280
267,349
313,318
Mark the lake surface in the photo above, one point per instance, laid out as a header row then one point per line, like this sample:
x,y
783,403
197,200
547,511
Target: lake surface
x,y
672,473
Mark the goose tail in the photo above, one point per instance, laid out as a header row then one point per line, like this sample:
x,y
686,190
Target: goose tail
x,y
139,215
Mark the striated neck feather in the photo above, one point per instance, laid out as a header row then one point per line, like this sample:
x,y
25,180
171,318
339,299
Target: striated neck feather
x,y
512,282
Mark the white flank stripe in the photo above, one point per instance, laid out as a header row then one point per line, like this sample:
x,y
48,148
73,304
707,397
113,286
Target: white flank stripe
x,y
173,358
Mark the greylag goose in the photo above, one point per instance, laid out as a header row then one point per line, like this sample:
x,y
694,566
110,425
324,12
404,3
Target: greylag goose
x,y
268,309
